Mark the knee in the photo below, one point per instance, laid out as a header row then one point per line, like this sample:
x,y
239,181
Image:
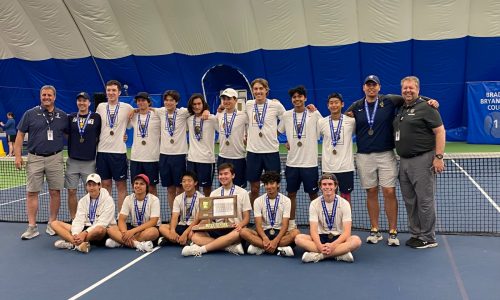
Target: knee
x,y
355,242
299,238
244,232
98,231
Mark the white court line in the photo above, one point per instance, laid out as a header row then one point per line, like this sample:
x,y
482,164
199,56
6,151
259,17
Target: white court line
x,y
90,288
12,187
14,201
492,202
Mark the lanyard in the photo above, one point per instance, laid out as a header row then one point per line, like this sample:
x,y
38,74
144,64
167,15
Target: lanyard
x,y
299,129
228,126
329,218
83,125
170,126
231,192
112,120
260,117
93,209
139,215
143,128
371,118
193,200
198,130
335,134
272,214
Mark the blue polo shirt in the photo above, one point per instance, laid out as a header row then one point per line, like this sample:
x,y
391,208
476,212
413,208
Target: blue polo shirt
x,y
36,122
87,149
10,127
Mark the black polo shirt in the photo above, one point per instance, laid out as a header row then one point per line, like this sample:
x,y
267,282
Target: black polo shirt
x,y
83,147
415,123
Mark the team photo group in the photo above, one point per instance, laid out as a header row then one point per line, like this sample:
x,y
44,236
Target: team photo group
x,y
176,147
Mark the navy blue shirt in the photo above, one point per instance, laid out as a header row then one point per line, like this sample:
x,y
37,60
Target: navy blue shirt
x,y
36,122
10,127
85,150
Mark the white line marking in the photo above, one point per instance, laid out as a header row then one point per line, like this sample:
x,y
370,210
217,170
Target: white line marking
x,y
14,201
12,187
492,202
90,288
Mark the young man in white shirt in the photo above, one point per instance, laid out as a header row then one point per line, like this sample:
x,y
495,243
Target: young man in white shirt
x,y
95,212
272,215
329,226
225,239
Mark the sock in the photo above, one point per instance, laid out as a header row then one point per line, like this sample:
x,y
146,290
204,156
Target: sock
x,y
203,249
136,243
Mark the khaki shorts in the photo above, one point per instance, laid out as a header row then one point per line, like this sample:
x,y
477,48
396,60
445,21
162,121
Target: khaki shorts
x,y
77,171
376,169
52,167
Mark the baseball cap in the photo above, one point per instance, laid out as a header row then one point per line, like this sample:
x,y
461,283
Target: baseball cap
x,y
143,177
229,92
94,177
83,95
373,78
143,95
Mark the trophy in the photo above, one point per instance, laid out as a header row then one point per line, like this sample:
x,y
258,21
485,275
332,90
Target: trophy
x,y
215,212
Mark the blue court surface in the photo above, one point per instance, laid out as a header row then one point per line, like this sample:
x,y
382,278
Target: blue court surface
x,y
462,267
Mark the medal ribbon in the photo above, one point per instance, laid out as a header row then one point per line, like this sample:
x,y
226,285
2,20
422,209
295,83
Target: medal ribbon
x,y
200,134
371,118
93,209
228,127
112,121
139,216
329,219
335,134
260,118
169,128
143,129
193,200
81,129
231,192
302,125
272,214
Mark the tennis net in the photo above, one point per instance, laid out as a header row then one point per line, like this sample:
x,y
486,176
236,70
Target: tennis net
x,y
467,197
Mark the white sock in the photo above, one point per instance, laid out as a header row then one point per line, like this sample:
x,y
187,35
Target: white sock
x,y
136,243
203,249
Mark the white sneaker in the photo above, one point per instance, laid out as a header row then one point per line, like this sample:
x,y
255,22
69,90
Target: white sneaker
x,y
62,244
110,243
49,230
146,246
312,257
374,237
235,249
255,250
393,239
31,232
285,251
83,247
193,250
345,257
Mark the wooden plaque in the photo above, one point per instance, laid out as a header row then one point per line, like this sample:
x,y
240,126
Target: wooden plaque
x,y
215,211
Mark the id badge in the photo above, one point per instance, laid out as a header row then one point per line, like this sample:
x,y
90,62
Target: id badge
x,y
50,135
396,136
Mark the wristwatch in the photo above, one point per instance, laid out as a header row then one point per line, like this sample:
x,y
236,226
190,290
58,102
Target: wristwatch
x,y
439,156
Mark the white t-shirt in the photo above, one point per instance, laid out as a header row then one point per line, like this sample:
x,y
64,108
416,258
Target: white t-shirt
x,y
306,155
113,143
182,206
243,201
203,150
152,209
179,146
343,161
260,210
236,147
268,143
342,214
151,151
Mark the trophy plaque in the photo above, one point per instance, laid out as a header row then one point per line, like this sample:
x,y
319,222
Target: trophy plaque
x,y
214,212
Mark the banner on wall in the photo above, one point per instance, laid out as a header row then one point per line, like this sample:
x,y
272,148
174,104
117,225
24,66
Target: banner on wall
x,y
483,103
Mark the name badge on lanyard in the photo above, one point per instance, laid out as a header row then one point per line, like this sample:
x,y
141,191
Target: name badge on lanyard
x,y
396,136
50,135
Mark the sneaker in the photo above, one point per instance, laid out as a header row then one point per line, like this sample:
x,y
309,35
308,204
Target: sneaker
x,y
285,251
83,247
312,257
393,239
49,230
193,250
110,243
374,237
424,245
412,242
345,257
235,249
254,250
30,233
162,241
62,244
146,246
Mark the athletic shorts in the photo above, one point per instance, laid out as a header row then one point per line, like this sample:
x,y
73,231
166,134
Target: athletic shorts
x,y
50,167
148,168
376,169
171,169
218,233
204,171
307,176
325,239
77,171
179,229
112,166
11,138
258,162
346,181
240,169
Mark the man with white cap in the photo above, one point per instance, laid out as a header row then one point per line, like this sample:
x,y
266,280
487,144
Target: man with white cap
x,y
95,212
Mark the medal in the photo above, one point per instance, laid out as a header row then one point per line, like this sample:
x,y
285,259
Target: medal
x,y
335,134
227,143
334,152
171,141
272,213
330,236
143,142
82,140
371,118
260,134
198,129
143,128
112,119
260,117
82,125
111,132
170,124
272,232
299,143
228,126
330,219
370,131
299,128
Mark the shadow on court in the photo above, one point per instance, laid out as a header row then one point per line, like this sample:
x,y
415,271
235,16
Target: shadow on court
x,y
462,267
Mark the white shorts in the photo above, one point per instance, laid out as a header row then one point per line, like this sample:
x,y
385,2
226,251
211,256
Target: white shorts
x,y
77,170
379,168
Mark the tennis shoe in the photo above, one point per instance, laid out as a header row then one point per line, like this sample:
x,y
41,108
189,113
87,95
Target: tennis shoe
x,y
62,244
83,247
146,246
412,242
235,249
162,241
312,257
110,243
255,250
285,251
31,232
193,250
374,237
49,230
393,239
424,245
345,257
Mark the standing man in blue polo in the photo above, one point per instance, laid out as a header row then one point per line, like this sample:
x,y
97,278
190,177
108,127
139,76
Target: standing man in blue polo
x,y
46,126
84,130
420,139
